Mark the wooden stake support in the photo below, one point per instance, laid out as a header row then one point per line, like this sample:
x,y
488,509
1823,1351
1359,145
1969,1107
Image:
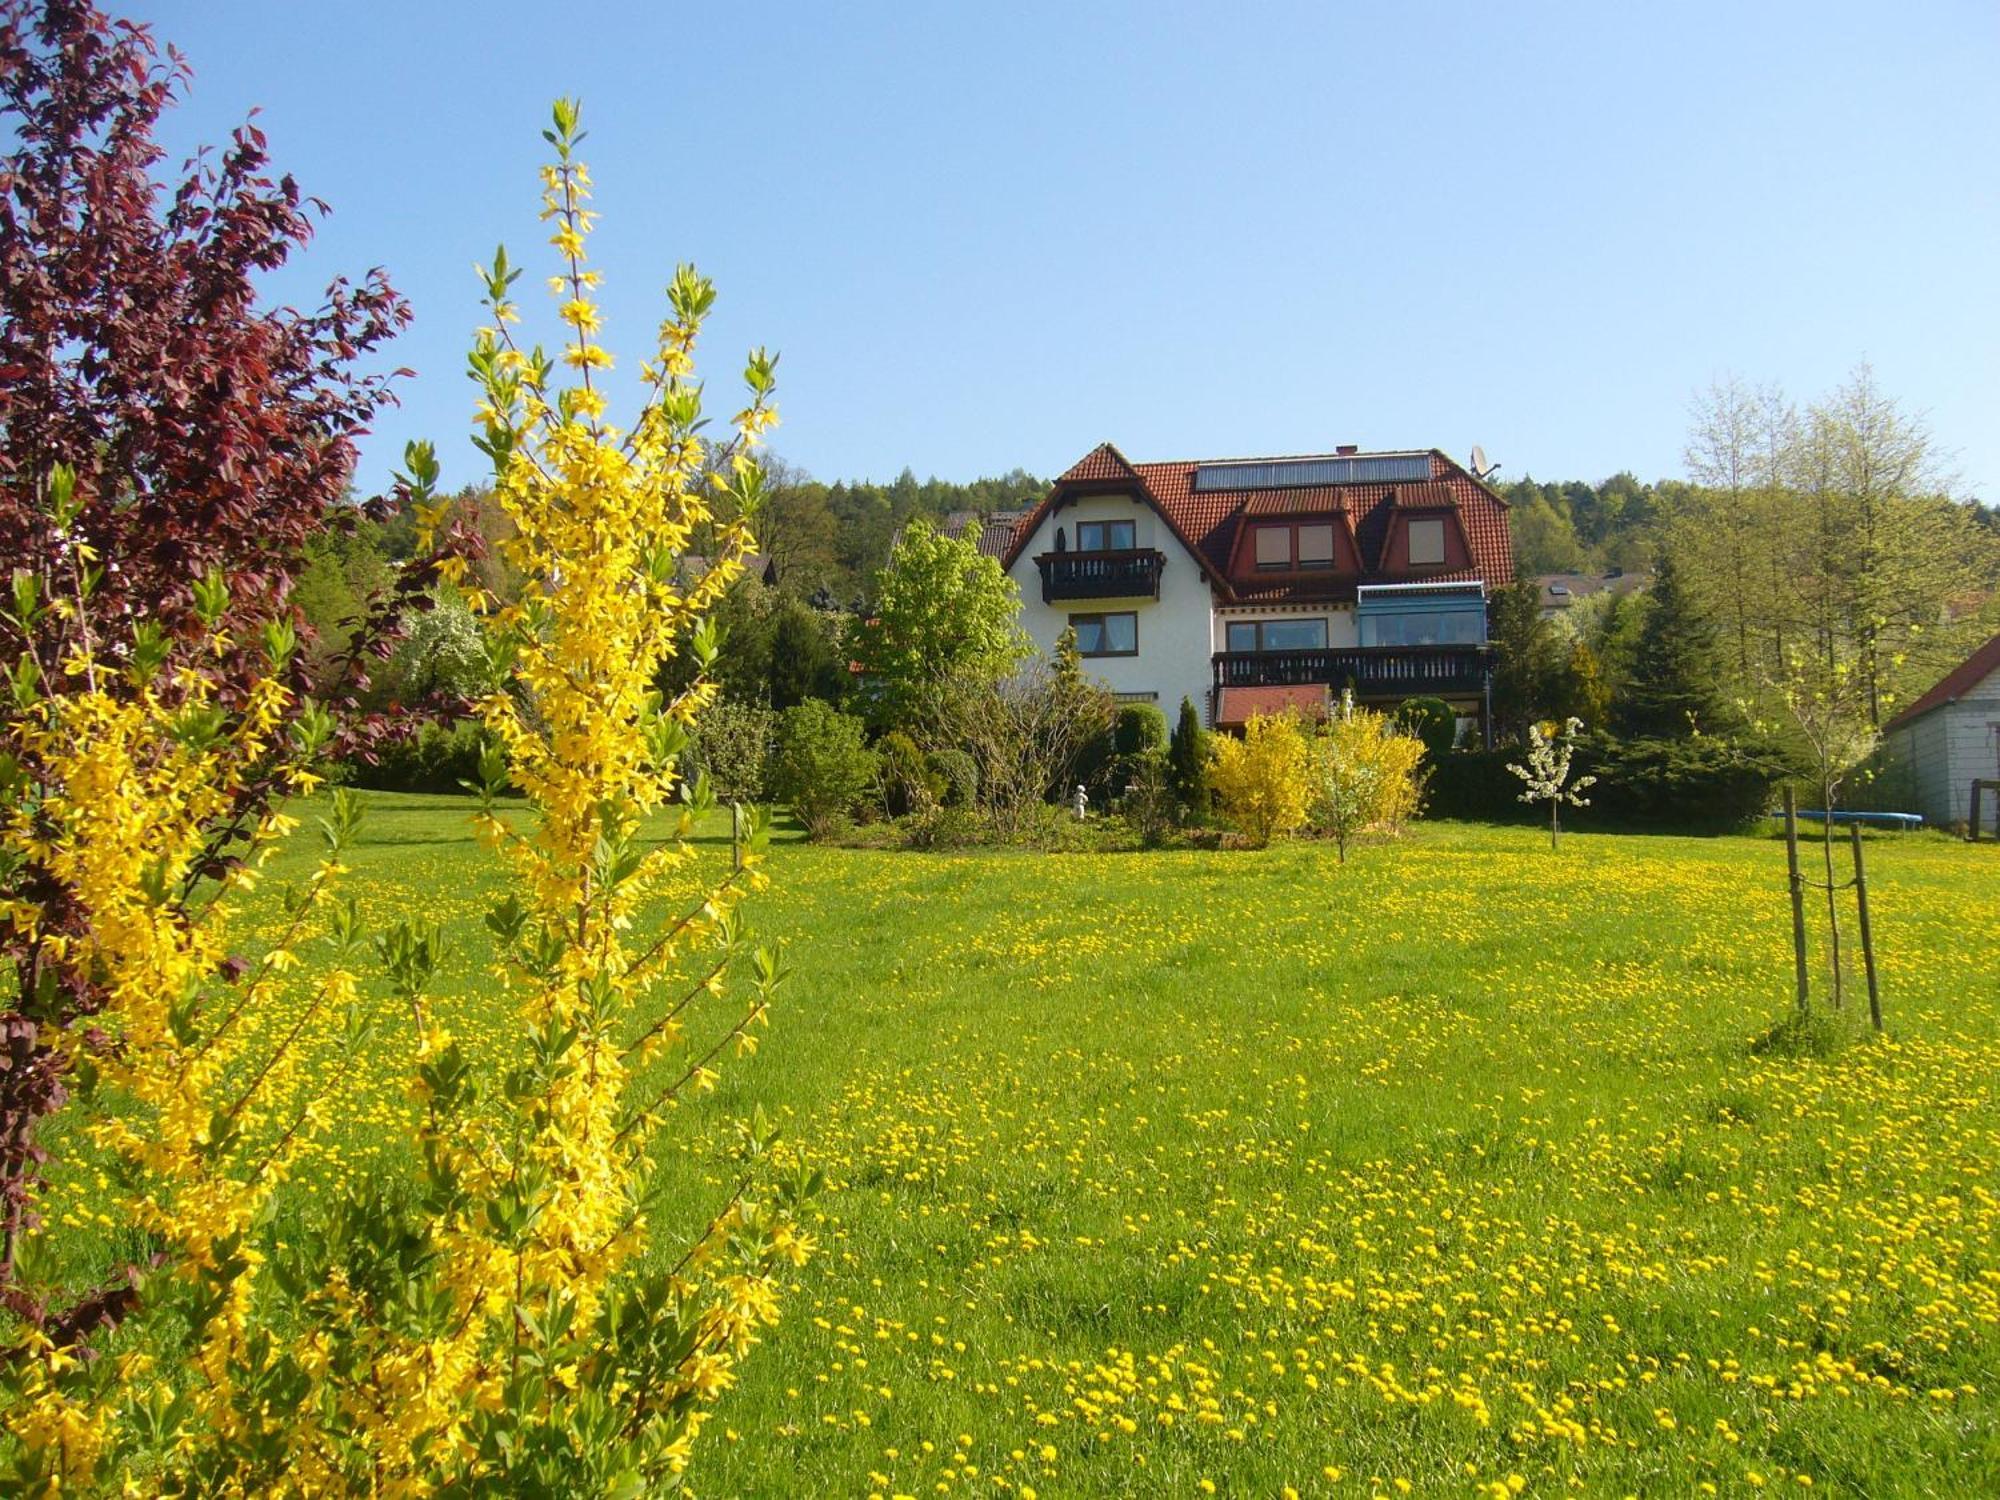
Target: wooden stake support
x,y
1867,937
1798,898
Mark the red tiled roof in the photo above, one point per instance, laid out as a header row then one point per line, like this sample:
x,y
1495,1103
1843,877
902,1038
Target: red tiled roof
x,y
1955,684
1432,496
1102,462
1240,704
1207,521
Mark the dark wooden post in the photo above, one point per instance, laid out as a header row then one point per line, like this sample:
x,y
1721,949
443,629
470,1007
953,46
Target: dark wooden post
x,y
1867,937
736,836
1798,897
1979,786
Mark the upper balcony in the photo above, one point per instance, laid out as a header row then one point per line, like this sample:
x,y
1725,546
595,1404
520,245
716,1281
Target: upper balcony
x,y
1128,573
1371,671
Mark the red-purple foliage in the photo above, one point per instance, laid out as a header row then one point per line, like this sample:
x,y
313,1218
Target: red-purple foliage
x,y
207,434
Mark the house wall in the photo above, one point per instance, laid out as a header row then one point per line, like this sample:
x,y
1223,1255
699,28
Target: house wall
x,y
1174,630
1944,749
1340,631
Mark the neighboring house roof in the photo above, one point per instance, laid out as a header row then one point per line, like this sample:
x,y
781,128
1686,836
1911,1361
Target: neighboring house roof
x,y
997,531
989,532
1955,684
1561,590
1206,521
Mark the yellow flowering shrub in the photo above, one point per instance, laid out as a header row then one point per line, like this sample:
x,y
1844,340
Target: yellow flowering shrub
x,y
1365,774
494,1314
1261,781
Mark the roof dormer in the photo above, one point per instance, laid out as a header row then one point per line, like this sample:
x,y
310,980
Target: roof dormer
x,y
1294,545
1425,535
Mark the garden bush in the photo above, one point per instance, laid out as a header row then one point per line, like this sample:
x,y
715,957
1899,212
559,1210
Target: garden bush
x,y
1432,721
907,782
1365,773
437,758
1148,803
957,774
1261,781
1108,762
731,743
821,765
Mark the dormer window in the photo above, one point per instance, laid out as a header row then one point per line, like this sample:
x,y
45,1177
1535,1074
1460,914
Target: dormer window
x,y
1316,546
1274,546
1426,543
1106,536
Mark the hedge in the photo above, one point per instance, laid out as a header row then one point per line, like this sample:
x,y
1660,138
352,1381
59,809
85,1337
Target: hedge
x,y
436,758
1694,785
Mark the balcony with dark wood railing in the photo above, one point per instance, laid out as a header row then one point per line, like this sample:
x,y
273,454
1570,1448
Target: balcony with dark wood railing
x,y
1128,573
1372,671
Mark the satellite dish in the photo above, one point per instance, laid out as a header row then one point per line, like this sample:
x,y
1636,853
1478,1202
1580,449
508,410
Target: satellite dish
x,y
1479,469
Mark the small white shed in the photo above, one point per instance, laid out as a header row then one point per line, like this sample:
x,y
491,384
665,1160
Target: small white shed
x,y
1949,736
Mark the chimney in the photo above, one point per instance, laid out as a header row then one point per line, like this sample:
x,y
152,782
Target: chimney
x,y
1347,449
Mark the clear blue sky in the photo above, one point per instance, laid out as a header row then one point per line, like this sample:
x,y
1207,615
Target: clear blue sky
x,y
992,235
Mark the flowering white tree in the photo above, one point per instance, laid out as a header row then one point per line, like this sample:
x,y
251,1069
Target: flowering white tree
x,y
1547,774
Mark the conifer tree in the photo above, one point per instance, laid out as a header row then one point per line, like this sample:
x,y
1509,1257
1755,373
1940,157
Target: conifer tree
x,y
1187,763
1672,691
1525,661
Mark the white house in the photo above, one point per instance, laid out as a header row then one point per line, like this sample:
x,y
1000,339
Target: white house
x,y
1948,737
1251,585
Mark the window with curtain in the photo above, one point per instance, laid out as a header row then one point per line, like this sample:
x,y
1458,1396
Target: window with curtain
x,y
1106,635
1105,536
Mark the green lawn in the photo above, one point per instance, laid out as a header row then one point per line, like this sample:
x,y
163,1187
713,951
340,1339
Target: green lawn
x,y
1450,1165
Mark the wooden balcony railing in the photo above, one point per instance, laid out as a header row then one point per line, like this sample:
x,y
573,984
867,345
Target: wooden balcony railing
x,y
1129,573
1372,671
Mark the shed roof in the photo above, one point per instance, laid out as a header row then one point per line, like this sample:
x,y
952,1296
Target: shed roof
x,y
1954,685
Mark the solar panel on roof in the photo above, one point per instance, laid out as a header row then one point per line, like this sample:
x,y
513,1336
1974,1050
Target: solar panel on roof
x,y
1295,473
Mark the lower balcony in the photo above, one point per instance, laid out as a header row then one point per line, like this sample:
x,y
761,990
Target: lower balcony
x,y
1371,671
1130,573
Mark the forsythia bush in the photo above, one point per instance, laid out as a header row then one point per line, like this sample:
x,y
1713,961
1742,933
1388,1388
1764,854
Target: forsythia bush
x,y
493,1315
1365,774
1261,781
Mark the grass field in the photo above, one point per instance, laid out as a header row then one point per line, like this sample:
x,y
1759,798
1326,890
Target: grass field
x,y
1453,1171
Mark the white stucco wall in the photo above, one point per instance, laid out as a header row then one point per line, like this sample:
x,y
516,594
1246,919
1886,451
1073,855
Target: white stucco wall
x,y
1174,630
1341,630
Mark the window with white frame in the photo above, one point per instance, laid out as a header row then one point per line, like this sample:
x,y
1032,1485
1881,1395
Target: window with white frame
x,y
1276,635
1106,536
1106,635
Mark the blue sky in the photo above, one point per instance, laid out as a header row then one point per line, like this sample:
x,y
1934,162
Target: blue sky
x,y
984,236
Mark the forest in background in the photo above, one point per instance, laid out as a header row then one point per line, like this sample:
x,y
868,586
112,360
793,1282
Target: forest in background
x,y
1818,548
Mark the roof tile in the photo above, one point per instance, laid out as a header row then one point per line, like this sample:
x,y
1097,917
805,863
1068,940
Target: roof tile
x,y
1955,684
1209,519
1240,704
